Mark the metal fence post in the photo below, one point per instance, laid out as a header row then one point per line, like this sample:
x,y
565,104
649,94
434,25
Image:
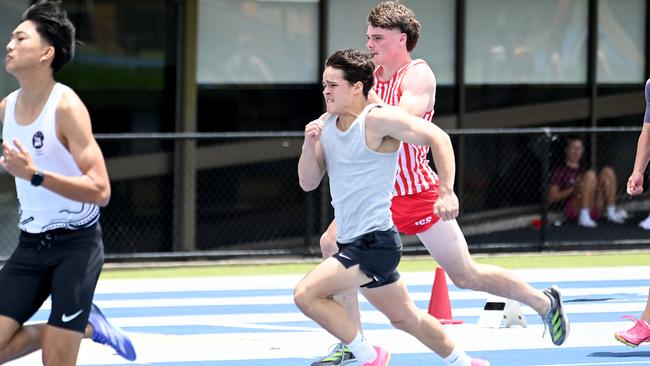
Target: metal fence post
x,y
185,150
543,230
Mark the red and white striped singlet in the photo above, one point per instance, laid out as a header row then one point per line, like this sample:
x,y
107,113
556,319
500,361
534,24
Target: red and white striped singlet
x,y
414,174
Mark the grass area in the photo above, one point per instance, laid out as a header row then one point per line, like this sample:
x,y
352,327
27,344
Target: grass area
x,y
419,264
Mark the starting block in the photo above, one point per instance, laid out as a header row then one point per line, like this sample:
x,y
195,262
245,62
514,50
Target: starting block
x,y
500,312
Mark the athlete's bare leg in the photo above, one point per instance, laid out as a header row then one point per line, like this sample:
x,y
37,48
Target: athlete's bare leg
x,y
313,295
17,341
646,313
348,299
60,346
394,301
446,243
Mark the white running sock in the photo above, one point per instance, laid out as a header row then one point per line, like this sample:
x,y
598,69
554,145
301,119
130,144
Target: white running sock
x,y
611,211
458,357
645,224
361,349
585,219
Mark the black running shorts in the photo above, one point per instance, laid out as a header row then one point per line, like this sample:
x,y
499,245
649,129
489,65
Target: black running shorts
x,y
377,253
62,263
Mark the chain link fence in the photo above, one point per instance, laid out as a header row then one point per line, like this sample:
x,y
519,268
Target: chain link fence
x,y
237,194
503,182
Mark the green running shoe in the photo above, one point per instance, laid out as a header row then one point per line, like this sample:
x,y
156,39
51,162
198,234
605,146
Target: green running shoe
x,y
556,321
339,355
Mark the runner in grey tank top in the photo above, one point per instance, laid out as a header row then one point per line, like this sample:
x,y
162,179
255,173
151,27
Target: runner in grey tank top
x,y
356,145
361,180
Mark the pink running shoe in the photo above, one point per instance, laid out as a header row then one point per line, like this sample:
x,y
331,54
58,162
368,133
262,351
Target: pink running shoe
x,y
479,362
636,335
381,360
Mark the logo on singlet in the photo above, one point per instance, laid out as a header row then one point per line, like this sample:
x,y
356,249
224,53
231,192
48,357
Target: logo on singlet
x,y
37,142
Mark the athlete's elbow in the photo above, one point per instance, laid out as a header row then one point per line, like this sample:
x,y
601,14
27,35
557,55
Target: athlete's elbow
x,y
103,197
445,137
103,201
442,140
308,186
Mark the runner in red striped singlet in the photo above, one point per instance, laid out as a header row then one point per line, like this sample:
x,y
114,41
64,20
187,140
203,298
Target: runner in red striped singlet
x,y
393,32
414,173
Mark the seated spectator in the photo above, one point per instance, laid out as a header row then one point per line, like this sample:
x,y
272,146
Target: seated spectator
x,y
584,193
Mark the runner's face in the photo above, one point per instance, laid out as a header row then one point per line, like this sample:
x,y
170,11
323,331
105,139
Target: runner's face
x,y
25,49
385,44
336,90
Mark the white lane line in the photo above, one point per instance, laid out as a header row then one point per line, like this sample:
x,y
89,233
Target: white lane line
x,y
598,363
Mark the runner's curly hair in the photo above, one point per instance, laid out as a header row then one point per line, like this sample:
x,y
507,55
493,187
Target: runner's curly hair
x,y
393,14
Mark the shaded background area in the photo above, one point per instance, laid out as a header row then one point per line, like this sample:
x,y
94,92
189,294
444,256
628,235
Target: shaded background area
x,y
191,101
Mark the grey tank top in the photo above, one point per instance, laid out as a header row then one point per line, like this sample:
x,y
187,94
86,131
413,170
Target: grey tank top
x,y
361,180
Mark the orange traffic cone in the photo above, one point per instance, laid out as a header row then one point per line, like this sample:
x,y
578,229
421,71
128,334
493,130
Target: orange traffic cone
x,y
439,305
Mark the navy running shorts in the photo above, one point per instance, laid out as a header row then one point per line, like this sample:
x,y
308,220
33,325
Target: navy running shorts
x,y
62,263
377,253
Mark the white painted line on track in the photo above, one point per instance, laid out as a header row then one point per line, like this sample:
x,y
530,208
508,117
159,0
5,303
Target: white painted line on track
x,y
598,363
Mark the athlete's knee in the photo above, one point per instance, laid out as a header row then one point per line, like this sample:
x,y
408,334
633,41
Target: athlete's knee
x,y
328,245
304,297
407,321
470,278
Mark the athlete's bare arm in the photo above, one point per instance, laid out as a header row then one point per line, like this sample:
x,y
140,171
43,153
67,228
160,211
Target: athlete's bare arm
x,y
391,124
635,181
418,90
74,130
311,166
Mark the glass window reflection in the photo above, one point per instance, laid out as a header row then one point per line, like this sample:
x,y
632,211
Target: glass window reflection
x,y
621,41
257,42
526,41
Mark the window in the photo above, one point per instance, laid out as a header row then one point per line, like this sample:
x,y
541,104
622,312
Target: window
x,y
257,42
526,42
348,24
621,41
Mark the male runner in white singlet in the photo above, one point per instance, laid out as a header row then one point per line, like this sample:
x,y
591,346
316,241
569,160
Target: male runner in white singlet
x,y
393,32
358,146
61,181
